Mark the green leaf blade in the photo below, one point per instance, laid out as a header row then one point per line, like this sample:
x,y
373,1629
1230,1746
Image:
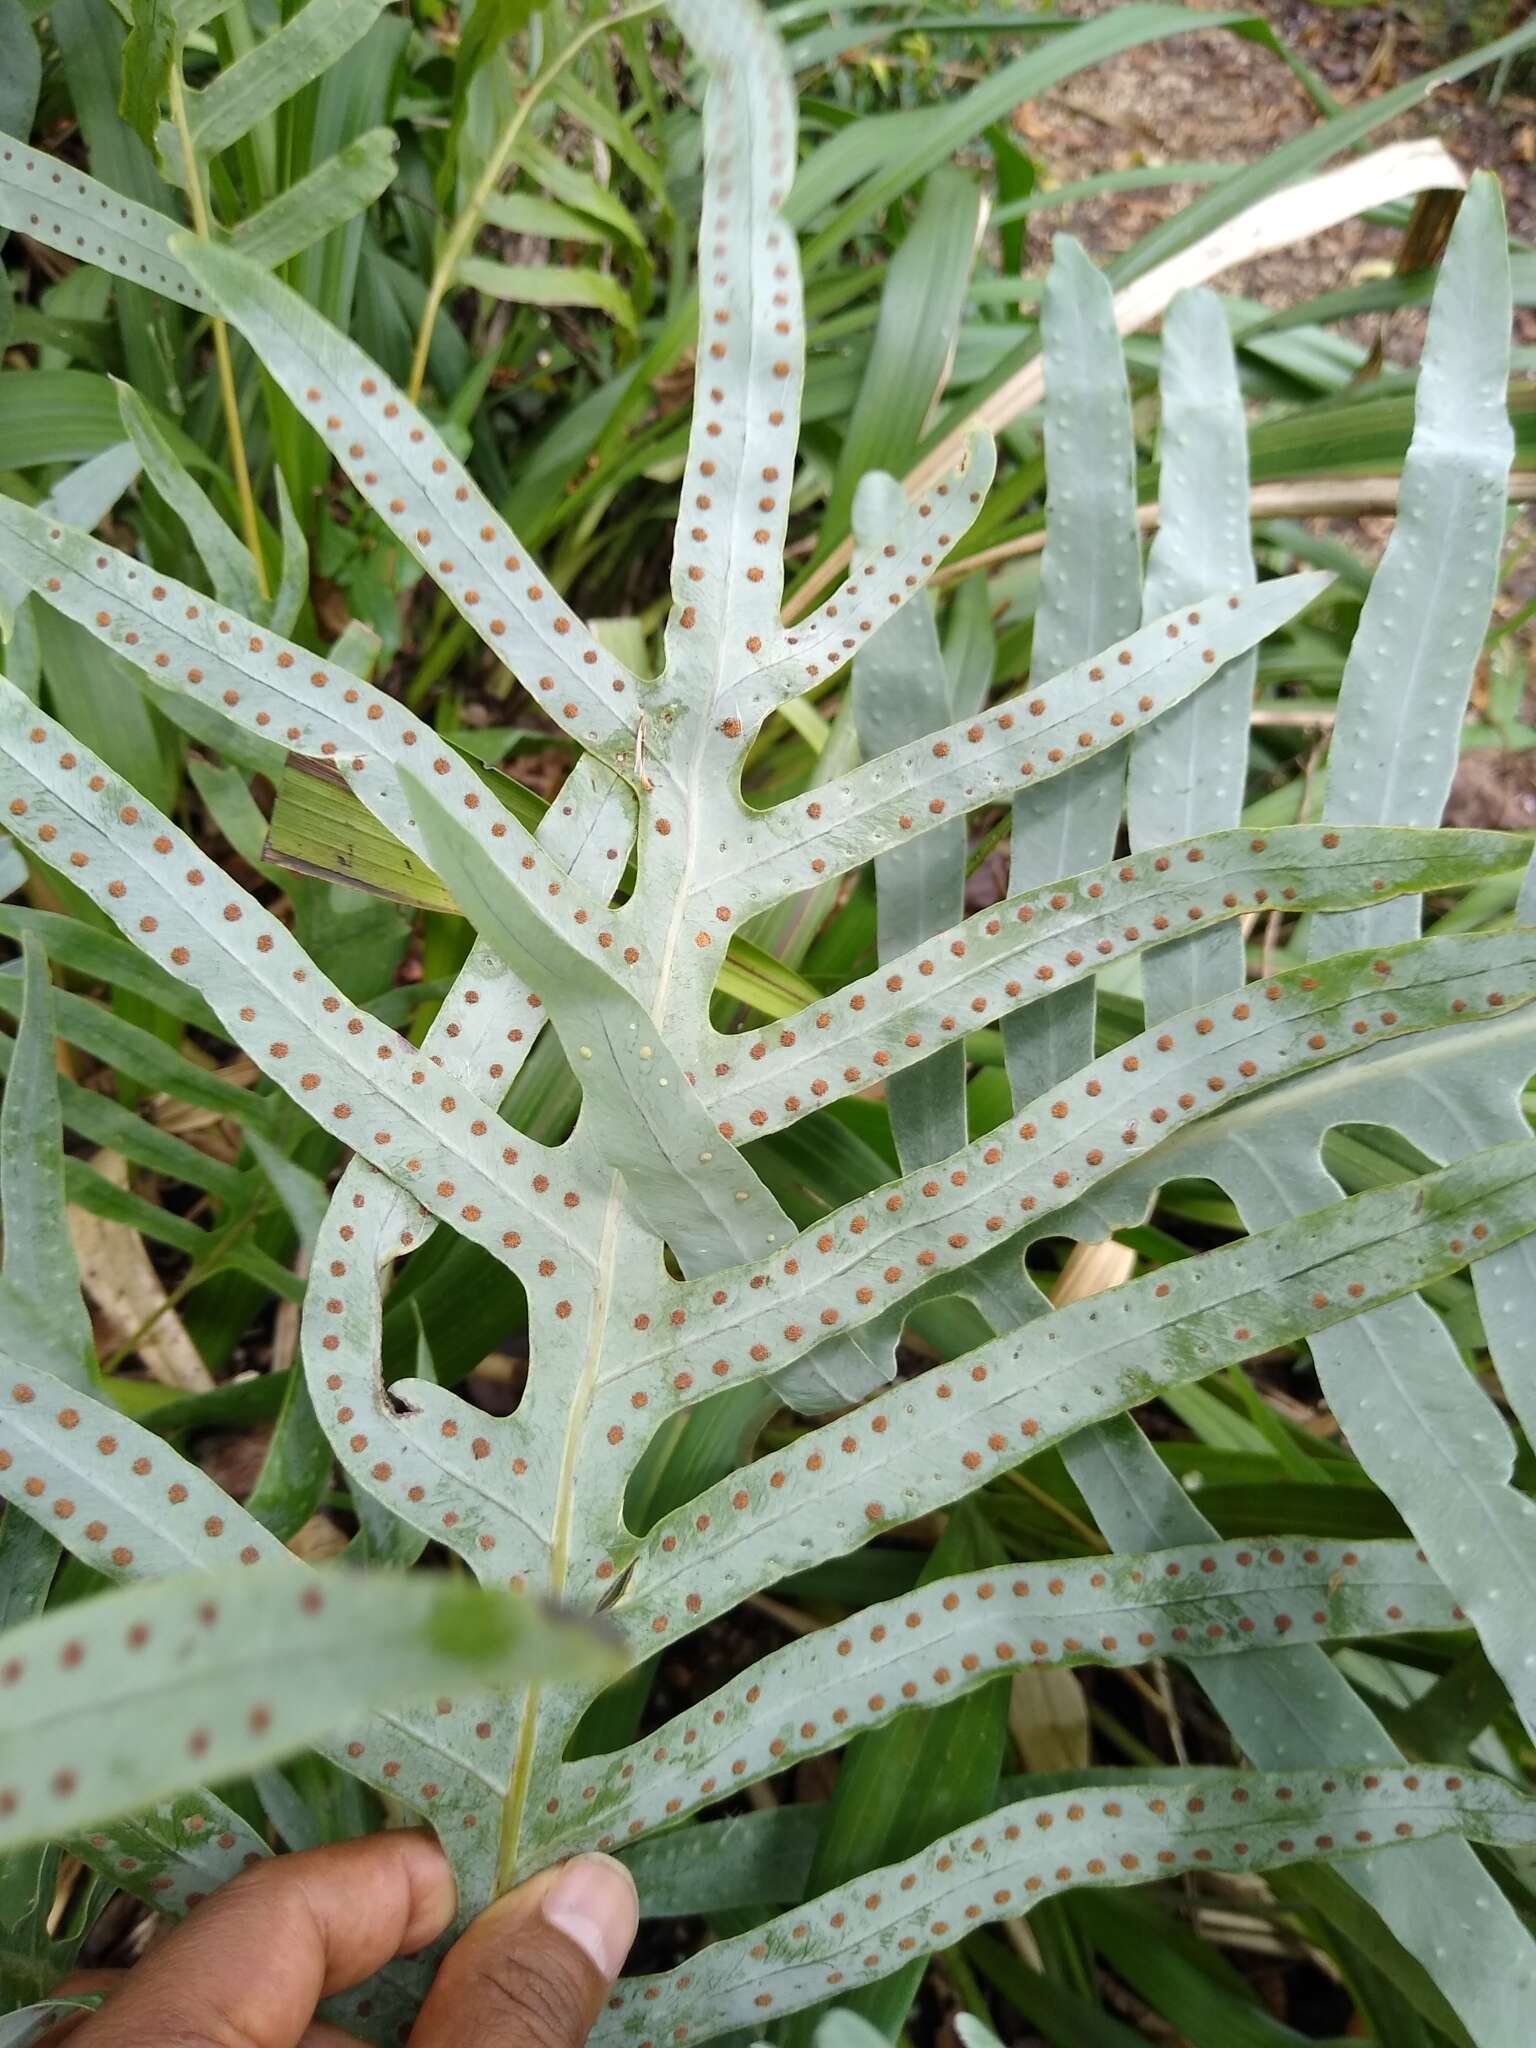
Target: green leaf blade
x,y
39,1257
134,1699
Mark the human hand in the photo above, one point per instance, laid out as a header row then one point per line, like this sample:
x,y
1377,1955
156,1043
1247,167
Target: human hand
x,y
249,1967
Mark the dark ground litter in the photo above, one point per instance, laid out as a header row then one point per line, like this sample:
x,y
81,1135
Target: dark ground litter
x,y
1495,789
1215,97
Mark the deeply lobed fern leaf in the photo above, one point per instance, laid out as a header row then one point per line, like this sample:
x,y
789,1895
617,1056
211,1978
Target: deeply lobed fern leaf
x,y
661,1269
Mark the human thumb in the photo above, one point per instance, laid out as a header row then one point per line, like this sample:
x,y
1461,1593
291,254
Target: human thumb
x,y
534,1969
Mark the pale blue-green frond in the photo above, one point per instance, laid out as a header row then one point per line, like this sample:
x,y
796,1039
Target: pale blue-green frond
x,y
1410,668
1090,576
115,1707
1038,1849
408,474
39,1256
901,691
1188,770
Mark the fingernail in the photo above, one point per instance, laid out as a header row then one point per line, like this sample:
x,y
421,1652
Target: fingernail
x,y
593,1903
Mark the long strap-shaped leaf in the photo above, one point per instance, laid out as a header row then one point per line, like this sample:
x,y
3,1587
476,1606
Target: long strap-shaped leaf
x,y
896,555
1410,667
276,689
1020,950
1089,595
1027,739
728,552
901,691
327,197
1428,1434
76,814
268,75
407,473
752,1322
227,561
1420,1425
42,196
125,1504
180,1851
911,1449
137,1696
1510,1281
844,1270
1438,1089
955,1634
1039,1848
1187,770
1293,1708
39,1256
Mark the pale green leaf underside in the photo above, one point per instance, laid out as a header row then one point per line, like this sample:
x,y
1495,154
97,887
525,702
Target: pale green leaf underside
x,y
1023,741
537,1494
146,875
862,1261
954,1634
1421,1426
404,469
147,1690
728,550
268,75
902,690
80,217
1411,664
926,1441
39,1260
1029,945
176,1853
1039,1848
1187,771
1292,1709
123,1502
1138,1096
1088,596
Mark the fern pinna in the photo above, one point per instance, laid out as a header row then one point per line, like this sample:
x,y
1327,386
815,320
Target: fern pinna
x,y
661,1272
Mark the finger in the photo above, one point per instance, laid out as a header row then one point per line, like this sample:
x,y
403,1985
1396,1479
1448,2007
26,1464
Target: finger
x,y
533,1970
80,1985
249,1967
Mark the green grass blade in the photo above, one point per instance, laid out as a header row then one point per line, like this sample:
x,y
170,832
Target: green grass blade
x,y
268,75
533,284
926,286
327,197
